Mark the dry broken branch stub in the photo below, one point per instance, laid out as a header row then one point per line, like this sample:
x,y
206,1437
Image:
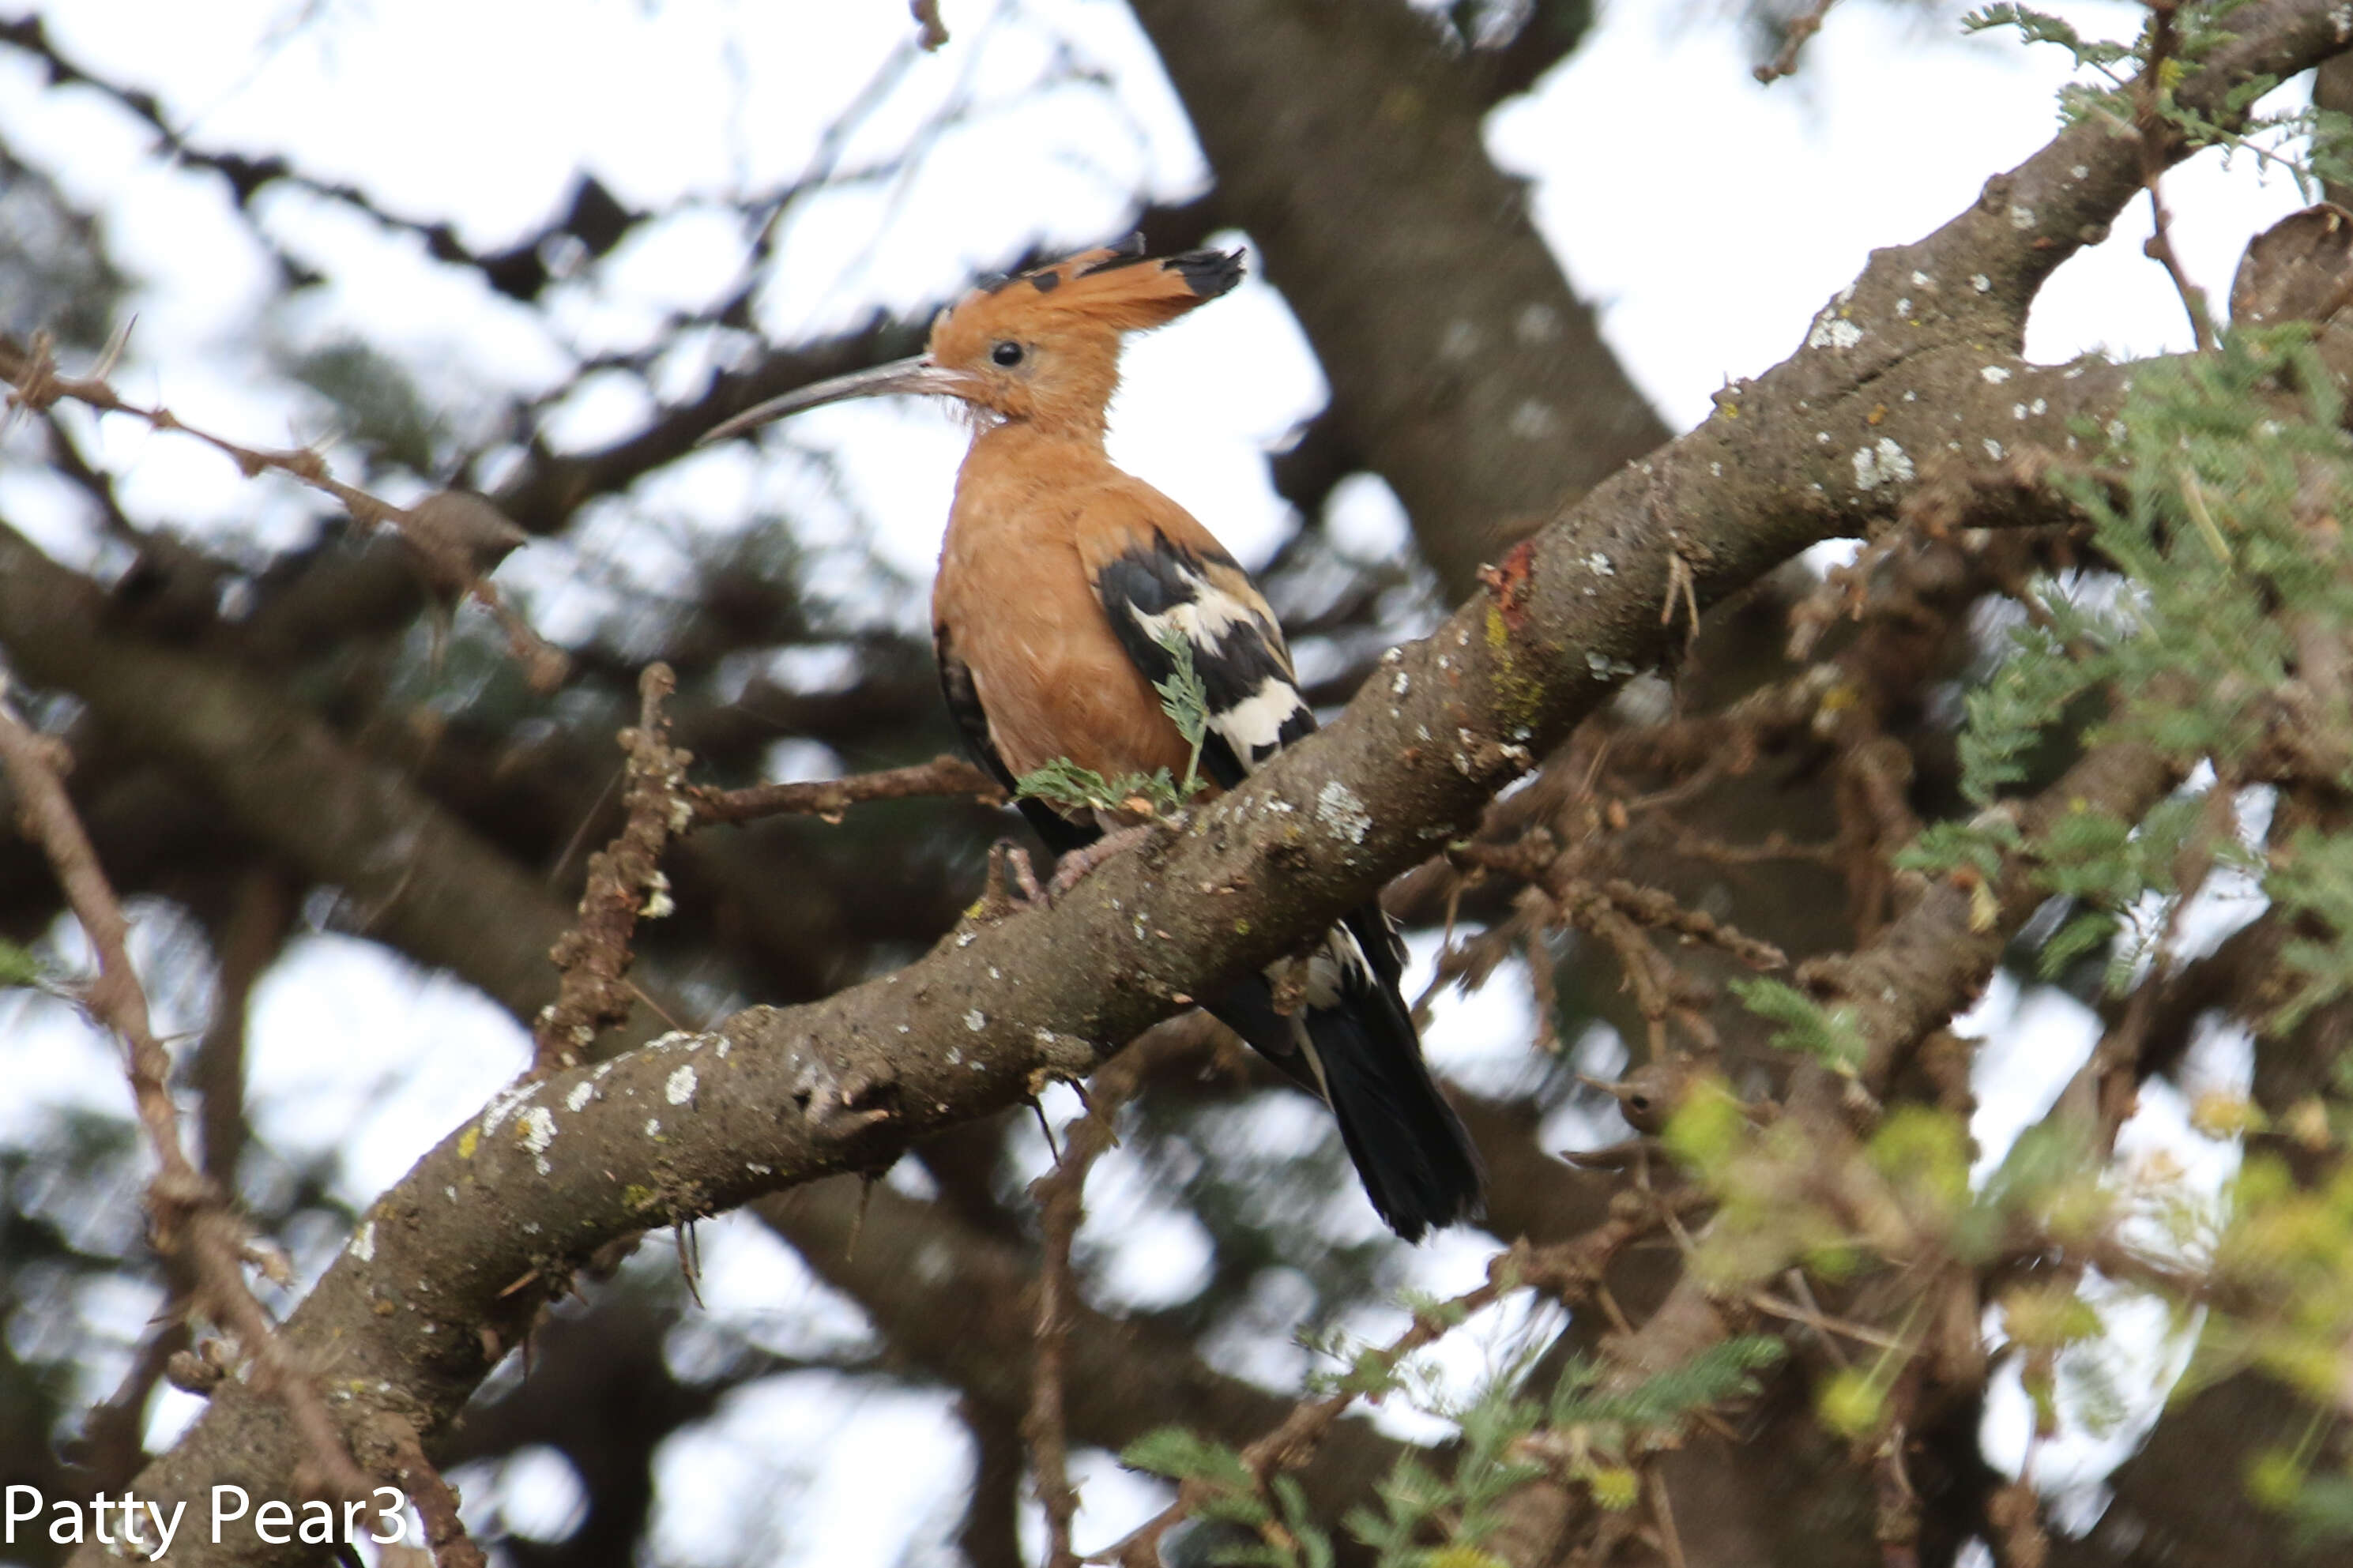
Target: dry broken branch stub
x,y
625,884
829,798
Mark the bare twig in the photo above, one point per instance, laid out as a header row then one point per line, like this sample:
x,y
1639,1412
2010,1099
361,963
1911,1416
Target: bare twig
x,y
1616,911
2148,124
1656,907
186,1211
829,798
1793,39
247,944
1061,1197
1828,1330
625,884
456,538
1775,846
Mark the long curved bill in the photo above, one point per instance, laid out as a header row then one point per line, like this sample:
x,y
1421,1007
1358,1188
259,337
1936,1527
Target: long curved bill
x,y
917,374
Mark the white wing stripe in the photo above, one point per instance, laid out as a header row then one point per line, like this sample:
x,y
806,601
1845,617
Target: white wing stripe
x,y
1253,727
1205,619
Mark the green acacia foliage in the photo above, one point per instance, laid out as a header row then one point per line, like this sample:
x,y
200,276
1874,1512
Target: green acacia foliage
x,y
2214,497
1587,1429
2223,595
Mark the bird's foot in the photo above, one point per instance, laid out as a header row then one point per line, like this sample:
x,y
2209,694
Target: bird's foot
x,y
1073,867
1017,864
1010,886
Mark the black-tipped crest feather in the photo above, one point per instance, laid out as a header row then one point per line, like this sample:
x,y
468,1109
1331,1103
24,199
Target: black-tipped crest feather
x,y
1208,273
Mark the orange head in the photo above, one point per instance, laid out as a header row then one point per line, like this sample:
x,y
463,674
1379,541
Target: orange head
x,y
1041,348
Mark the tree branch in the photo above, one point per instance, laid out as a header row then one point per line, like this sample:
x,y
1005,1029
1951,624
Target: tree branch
x,y
625,884
831,797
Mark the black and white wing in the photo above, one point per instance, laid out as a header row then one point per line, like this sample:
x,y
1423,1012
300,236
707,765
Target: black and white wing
x,y
1350,1037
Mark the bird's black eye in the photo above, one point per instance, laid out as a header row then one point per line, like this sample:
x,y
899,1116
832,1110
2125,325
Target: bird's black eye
x,y
1007,353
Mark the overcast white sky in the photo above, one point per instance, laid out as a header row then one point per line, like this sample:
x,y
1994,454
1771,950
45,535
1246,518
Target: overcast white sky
x,y
1708,216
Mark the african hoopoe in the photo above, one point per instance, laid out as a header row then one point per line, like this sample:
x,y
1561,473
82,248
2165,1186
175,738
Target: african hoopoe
x,y
1062,582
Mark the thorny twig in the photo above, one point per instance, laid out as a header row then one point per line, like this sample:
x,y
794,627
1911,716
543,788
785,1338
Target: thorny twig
x,y
186,1211
246,944
1467,963
1616,911
829,798
1656,907
456,538
625,884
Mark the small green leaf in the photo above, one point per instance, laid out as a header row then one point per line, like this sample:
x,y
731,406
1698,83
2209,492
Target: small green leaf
x,y
1185,698
1066,786
1181,1456
18,966
1827,1034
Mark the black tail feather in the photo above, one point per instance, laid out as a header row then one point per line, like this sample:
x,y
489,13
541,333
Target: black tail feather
x,y
1410,1151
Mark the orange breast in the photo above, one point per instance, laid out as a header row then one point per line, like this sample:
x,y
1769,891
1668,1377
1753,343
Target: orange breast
x,y
1014,592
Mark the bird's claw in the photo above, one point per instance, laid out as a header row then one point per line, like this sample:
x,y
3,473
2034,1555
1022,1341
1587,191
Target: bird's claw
x,y
1012,886
1009,886
1073,867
